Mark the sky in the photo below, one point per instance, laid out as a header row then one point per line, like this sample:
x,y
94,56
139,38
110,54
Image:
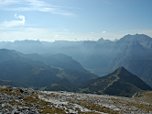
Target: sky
x,y
74,20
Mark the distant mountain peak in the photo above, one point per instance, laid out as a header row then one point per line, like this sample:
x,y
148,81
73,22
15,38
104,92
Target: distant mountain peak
x,y
137,41
101,39
135,37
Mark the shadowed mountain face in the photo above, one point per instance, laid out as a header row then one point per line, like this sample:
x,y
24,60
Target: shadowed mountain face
x,y
101,57
135,54
41,72
120,82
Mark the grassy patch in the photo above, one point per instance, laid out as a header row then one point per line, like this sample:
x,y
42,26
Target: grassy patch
x,y
30,100
142,106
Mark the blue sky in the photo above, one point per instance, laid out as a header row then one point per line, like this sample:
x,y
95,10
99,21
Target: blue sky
x,y
51,20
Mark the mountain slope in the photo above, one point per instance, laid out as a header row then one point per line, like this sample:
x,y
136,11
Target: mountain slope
x,y
69,68
120,82
23,70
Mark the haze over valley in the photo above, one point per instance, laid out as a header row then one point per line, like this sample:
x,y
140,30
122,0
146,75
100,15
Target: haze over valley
x,y
75,57
70,66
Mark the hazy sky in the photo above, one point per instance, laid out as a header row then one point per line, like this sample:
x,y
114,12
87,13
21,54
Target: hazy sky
x,y
73,19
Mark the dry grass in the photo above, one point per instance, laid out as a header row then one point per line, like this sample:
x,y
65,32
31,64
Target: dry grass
x,y
50,110
132,103
96,107
89,113
43,107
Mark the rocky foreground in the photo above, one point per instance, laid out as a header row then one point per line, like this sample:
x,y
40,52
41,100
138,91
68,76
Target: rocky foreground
x,y
28,101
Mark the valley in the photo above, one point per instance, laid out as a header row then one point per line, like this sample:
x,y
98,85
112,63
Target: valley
x,y
58,80
101,57
75,57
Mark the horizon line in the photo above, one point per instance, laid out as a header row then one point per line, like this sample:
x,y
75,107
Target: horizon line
x,y
85,40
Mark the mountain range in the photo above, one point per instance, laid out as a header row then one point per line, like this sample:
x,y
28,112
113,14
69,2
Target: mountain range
x,y
62,73
122,67
101,57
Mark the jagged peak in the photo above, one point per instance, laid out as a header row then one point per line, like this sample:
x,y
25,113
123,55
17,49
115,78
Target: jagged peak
x,y
121,69
101,39
122,72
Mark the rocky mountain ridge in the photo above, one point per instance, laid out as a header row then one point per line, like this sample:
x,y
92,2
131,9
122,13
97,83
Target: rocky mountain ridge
x,y
120,82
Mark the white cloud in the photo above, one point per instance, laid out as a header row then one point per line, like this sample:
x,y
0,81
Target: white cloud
x,y
50,34
33,5
17,22
47,34
104,32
